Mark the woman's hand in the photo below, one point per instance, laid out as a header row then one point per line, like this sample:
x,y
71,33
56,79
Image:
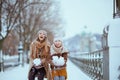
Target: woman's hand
x,y
43,61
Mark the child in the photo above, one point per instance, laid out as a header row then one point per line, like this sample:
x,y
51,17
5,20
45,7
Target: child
x,y
59,59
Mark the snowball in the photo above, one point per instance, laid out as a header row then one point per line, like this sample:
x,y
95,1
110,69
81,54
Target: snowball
x,y
37,61
58,61
55,59
61,61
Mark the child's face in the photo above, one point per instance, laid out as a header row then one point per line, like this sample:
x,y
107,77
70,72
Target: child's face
x,y
58,43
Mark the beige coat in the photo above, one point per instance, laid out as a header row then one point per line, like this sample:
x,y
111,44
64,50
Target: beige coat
x,y
43,54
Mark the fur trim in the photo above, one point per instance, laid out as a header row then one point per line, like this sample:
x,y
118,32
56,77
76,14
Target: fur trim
x,y
55,50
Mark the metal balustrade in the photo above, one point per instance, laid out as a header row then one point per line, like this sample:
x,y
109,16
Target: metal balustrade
x,y
91,64
95,64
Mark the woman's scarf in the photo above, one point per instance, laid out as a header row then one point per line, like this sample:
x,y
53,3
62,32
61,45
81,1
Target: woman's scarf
x,y
37,45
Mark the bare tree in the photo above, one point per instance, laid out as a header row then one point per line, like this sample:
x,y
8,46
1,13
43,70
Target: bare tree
x,y
44,15
9,44
10,15
26,18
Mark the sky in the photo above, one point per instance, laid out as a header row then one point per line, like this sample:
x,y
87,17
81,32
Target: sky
x,y
95,14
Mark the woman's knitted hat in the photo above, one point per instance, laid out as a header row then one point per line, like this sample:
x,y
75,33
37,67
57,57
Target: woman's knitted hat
x,y
57,38
42,31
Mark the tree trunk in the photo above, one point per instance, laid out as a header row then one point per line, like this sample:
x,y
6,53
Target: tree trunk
x,y
0,15
1,43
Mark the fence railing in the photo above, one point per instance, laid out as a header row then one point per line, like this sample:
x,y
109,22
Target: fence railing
x,y
92,64
9,61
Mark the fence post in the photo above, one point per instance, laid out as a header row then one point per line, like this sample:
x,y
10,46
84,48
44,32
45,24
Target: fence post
x,y
105,54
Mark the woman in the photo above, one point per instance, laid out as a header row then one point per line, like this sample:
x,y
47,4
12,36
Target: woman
x,y
39,57
59,59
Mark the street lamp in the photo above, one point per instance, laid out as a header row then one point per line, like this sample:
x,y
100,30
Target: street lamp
x,y
20,53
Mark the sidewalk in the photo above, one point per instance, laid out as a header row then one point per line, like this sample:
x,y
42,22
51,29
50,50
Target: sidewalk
x,y
20,73
74,73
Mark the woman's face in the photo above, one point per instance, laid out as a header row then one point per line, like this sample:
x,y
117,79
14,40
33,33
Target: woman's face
x,y
58,43
42,36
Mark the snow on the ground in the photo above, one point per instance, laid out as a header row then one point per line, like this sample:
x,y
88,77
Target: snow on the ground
x,y
16,73
74,73
20,73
